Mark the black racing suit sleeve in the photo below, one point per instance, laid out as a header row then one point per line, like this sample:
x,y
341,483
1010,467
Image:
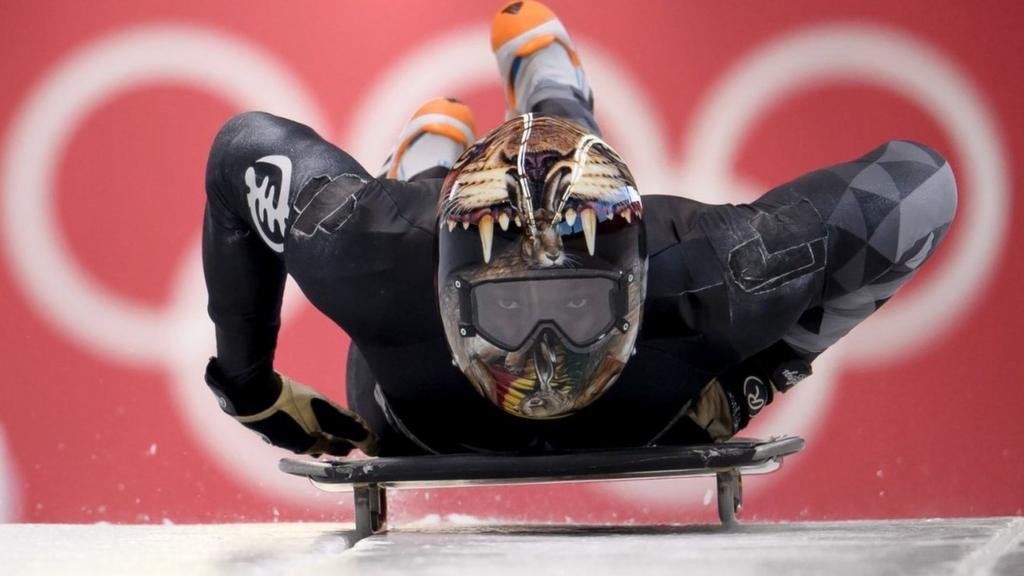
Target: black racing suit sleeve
x,y
245,282
245,278
694,289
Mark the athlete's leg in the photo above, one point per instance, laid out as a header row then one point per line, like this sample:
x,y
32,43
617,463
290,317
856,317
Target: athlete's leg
x,y
539,66
436,135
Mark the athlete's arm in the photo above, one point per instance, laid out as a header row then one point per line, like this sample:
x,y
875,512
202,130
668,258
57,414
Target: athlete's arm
x,y
810,260
244,277
693,289
258,164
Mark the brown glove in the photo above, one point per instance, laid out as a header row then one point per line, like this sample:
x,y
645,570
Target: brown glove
x,y
726,405
299,418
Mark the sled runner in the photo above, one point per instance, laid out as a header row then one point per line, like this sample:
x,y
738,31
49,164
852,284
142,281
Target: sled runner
x,y
369,478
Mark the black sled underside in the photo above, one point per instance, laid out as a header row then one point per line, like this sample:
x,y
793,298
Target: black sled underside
x,y
369,478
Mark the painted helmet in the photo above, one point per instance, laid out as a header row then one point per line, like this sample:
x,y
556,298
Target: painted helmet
x,y
542,266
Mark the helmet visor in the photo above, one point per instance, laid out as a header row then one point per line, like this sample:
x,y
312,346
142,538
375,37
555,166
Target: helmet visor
x,y
583,309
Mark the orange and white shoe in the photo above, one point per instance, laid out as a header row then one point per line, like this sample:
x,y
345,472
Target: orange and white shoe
x,y
436,135
533,50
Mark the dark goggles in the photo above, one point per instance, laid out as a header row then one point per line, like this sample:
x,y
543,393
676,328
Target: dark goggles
x,y
583,306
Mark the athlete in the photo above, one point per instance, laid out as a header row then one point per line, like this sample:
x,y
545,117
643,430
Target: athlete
x,y
517,294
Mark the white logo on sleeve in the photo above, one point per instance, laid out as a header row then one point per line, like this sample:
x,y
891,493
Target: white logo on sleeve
x,y
756,397
793,376
268,203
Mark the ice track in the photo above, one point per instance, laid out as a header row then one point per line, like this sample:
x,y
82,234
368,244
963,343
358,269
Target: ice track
x,y
962,546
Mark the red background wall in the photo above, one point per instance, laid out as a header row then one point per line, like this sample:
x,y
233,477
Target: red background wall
x,y
104,416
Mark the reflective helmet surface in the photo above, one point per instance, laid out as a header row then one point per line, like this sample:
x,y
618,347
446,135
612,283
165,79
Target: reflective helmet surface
x,y
542,266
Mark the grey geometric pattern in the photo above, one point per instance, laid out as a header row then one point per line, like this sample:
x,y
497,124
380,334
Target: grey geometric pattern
x,y
896,206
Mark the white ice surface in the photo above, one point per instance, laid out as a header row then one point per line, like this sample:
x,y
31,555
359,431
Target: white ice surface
x,y
965,546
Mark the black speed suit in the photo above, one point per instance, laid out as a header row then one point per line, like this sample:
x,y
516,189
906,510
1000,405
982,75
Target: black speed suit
x,y
793,271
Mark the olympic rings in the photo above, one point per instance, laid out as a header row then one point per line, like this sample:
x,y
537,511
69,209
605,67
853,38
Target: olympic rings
x,y
179,337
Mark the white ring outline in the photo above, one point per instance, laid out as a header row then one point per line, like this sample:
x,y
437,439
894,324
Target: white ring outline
x,y
180,337
55,284
894,60
868,54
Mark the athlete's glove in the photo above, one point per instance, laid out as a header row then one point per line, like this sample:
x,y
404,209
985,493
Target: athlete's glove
x,y
728,402
288,414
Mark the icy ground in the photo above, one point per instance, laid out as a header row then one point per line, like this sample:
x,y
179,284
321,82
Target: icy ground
x,y
963,546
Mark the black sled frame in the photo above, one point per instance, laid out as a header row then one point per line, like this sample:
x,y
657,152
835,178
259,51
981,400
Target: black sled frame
x,y
369,478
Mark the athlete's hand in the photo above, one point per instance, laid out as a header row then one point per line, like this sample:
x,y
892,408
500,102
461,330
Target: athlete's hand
x,y
728,402
292,416
726,405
